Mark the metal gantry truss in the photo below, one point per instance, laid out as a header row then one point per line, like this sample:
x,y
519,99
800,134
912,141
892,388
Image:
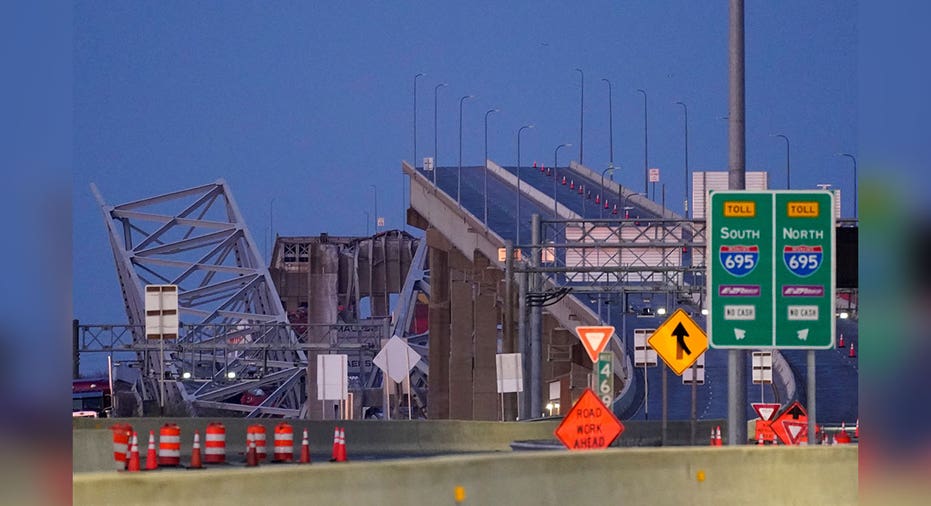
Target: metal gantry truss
x,y
197,239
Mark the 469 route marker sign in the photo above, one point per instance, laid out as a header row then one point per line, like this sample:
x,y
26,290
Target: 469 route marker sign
x,y
589,425
771,273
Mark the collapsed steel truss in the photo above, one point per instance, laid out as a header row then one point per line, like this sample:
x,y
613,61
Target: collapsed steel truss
x,y
197,239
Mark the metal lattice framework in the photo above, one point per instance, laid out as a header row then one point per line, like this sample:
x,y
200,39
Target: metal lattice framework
x,y
197,239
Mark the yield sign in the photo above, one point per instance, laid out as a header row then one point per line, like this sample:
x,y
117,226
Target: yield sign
x,y
679,341
396,359
766,410
594,339
589,425
788,421
794,430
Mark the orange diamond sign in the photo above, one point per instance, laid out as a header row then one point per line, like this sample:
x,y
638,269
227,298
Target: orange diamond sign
x,y
589,425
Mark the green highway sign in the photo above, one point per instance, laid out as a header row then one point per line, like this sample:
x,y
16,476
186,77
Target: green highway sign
x,y
770,260
605,368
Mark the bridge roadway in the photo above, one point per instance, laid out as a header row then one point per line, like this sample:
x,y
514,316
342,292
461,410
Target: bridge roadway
x,y
837,373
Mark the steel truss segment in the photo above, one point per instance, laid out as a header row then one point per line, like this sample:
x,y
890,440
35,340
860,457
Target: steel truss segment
x,y
171,237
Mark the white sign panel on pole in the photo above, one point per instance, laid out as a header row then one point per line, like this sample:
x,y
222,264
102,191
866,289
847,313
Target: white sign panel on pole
x,y
332,377
644,354
696,373
396,359
161,311
510,372
762,362
654,175
428,163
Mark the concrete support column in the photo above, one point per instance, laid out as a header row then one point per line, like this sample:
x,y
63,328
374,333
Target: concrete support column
x,y
461,337
438,322
322,289
485,344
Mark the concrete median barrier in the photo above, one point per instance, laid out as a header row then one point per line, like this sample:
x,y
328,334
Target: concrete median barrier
x,y
694,475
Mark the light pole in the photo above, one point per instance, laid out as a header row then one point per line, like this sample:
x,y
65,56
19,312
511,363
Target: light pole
x,y
854,160
646,170
610,129
555,167
601,213
375,201
788,173
581,115
436,166
485,164
414,161
685,202
517,173
459,176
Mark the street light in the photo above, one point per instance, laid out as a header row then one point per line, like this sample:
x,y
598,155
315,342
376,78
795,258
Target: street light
x,y
517,173
788,173
646,170
459,177
610,128
601,213
555,167
436,165
414,161
485,163
854,159
420,74
581,114
685,109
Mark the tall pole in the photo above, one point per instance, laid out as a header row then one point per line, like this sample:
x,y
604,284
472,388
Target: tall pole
x,y
854,160
610,129
736,180
517,173
685,202
581,114
555,166
436,165
788,172
646,144
413,161
485,164
459,176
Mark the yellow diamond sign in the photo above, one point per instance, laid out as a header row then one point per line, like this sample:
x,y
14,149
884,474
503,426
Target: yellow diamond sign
x,y
679,341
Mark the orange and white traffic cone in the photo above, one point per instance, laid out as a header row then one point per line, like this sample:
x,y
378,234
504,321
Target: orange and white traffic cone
x,y
252,459
717,437
305,449
713,441
853,353
151,459
335,456
133,465
564,180
856,429
840,342
342,445
759,440
195,453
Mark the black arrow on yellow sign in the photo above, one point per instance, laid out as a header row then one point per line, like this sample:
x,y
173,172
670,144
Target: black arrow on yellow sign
x,y
681,334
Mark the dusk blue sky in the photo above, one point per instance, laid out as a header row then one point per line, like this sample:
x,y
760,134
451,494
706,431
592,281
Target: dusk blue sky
x,y
308,103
